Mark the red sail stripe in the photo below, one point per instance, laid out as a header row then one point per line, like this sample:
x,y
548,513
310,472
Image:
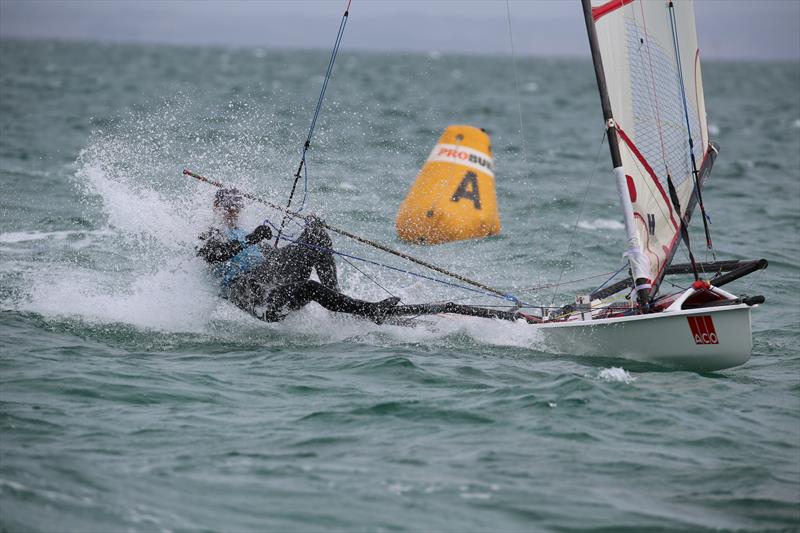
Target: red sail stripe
x,y
629,143
608,7
649,170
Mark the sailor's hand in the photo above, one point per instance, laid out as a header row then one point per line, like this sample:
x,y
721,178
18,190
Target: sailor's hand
x,y
259,234
314,220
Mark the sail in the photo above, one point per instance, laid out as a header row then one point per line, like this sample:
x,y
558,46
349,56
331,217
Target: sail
x,y
651,63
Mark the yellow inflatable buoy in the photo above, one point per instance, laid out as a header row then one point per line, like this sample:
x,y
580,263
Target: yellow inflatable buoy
x,y
453,197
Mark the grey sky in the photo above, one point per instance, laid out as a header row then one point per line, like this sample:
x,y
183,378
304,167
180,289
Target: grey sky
x,y
750,29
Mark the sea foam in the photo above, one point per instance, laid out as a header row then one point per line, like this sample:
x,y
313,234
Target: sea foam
x,y
616,374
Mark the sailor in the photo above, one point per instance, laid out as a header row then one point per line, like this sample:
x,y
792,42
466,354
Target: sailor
x,y
269,282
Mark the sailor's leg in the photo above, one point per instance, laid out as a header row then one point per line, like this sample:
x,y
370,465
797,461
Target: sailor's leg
x,y
290,297
283,299
292,264
312,250
324,263
245,292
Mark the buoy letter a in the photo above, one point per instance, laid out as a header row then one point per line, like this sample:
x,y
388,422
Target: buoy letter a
x,y
468,188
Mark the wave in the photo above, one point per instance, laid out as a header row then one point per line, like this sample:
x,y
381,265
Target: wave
x,y
601,223
19,237
615,374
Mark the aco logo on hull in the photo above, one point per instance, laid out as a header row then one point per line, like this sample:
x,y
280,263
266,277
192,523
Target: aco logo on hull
x,y
703,330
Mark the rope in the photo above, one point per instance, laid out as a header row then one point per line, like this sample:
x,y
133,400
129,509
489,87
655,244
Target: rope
x,y
305,187
403,271
314,118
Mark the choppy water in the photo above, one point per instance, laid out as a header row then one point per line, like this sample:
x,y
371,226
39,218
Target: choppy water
x,y
133,399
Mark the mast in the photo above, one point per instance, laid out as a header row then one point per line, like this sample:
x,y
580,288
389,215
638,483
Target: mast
x,y
638,261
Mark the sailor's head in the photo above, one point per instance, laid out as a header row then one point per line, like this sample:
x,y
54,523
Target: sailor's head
x,y
228,200
228,203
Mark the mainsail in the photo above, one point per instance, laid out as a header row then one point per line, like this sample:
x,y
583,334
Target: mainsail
x,y
651,66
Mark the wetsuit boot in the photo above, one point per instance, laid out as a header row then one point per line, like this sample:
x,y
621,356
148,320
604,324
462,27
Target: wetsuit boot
x,y
379,310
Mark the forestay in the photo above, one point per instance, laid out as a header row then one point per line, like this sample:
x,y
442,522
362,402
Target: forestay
x,y
652,69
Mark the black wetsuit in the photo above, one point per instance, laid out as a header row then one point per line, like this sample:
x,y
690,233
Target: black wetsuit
x,y
280,283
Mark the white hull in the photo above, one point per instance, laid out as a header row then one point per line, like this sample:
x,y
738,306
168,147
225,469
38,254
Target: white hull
x,y
697,339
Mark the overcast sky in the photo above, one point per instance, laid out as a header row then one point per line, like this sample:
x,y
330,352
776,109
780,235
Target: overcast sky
x,y
728,29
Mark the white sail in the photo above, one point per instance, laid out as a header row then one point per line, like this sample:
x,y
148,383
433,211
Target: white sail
x,y
652,69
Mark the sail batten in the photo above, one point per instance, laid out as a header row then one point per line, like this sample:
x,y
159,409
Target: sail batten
x,y
652,73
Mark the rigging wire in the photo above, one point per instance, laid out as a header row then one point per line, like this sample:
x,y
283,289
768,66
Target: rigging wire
x,y
537,288
676,285
614,275
674,24
654,100
373,280
307,144
580,214
521,124
753,280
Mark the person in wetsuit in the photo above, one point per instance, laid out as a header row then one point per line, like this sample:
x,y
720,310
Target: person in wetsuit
x,y
269,282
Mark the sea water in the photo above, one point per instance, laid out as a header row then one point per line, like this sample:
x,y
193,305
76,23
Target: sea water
x,y
132,398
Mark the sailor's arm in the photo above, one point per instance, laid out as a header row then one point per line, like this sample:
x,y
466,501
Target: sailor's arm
x,y
218,250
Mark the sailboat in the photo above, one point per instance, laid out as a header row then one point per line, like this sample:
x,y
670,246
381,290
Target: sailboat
x,y
647,65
